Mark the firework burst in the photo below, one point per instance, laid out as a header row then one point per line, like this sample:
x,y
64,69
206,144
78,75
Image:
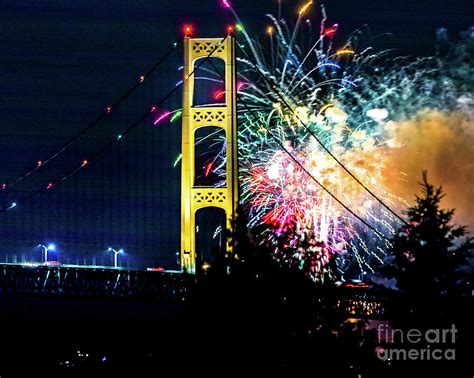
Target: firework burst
x,y
303,100
297,112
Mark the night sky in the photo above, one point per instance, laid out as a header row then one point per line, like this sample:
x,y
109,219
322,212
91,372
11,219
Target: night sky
x,y
63,62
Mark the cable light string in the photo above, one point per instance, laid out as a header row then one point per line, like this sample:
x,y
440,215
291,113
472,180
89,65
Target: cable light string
x,y
84,163
275,90
347,208
107,113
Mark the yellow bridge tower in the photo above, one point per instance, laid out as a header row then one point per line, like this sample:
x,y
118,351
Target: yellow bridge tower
x,y
223,116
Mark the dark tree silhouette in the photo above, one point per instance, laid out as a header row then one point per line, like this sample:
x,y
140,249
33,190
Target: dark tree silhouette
x,y
428,252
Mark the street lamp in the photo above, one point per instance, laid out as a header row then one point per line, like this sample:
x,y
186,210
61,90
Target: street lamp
x,y
116,253
51,247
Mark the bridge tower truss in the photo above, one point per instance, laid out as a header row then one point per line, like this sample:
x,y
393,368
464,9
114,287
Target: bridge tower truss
x,y
222,116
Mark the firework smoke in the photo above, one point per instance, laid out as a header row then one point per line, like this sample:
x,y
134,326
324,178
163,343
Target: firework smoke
x,y
443,144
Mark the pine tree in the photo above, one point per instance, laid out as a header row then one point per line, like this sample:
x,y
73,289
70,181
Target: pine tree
x,y
429,251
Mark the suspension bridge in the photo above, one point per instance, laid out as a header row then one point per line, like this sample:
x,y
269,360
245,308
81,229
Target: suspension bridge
x,y
165,286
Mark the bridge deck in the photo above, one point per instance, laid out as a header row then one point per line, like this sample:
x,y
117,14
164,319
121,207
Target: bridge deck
x,y
162,286
70,280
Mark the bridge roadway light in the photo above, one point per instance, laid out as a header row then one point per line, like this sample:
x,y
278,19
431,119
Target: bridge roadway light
x,y
51,247
116,253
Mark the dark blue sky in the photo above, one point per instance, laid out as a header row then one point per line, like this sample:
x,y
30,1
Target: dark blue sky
x,y
62,62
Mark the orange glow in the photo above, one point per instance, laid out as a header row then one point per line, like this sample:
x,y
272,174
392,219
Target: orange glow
x,y
345,51
305,7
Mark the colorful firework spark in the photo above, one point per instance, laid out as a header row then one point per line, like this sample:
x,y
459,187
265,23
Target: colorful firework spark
x,y
346,96
276,189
